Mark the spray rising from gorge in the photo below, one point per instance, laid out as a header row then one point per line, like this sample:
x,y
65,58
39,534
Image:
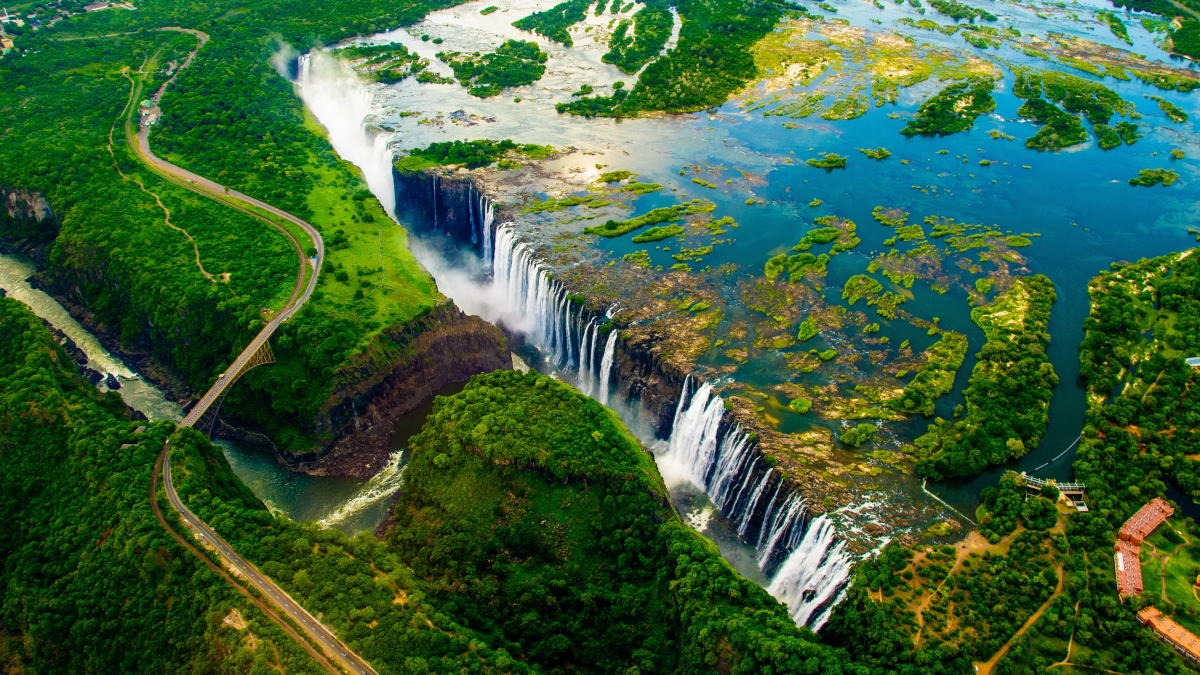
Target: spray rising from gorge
x,y
501,280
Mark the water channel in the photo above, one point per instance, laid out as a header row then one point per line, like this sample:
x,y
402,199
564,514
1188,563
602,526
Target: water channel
x,y
348,504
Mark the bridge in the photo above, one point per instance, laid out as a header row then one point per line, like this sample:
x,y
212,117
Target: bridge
x,y
269,597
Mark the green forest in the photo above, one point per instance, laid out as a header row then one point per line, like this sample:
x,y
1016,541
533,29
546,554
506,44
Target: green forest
x,y
91,583
711,61
232,117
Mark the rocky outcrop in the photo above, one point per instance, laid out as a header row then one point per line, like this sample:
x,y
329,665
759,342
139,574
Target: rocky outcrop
x,y
642,376
27,223
402,370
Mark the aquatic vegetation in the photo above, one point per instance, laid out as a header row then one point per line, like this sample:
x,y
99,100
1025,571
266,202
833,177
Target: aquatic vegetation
x,y
822,235
1060,129
641,188
828,161
1017,241
1171,110
471,154
1115,25
983,285
692,254
1152,177
651,29
860,286
552,204
640,258
1112,137
1009,392
1176,153
862,433
658,234
827,355
701,181
513,64
935,378
712,60
892,217
953,109
878,153
789,58
387,64
614,176
430,77
912,232
957,10
801,405
1166,81
1076,95
927,24
847,239
815,203
847,108
808,330
616,228
554,23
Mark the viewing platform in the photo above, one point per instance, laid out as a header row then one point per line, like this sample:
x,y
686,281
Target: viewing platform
x,y
1073,492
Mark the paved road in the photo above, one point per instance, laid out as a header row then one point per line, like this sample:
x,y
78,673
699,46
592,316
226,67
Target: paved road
x,y
315,630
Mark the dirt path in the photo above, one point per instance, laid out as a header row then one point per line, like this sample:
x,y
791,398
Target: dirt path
x,y
134,89
986,667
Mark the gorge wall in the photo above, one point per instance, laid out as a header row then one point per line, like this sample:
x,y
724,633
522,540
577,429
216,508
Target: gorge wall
x,y
570,336
402,370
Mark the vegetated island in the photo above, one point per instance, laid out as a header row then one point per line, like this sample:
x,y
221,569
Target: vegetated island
x,y
513,64
953,109
1008,394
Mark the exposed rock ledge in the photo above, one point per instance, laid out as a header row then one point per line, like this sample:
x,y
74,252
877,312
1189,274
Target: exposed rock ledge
x,y
402,370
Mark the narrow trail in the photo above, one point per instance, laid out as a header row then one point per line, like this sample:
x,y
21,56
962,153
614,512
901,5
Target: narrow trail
x,y
300,626
135,88
986,667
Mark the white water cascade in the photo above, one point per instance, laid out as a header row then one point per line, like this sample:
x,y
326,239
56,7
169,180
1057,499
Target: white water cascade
x,y
332,92
531,302
380,486
606,364
808,566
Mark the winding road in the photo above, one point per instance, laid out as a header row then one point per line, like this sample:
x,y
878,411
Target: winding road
x,y
267,590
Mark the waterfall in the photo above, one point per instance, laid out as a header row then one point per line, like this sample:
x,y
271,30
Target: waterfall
x,y
532,302
489,217
610,348
344,106
808,567
815,575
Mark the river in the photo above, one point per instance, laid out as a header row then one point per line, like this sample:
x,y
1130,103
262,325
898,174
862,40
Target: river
x,y
348,504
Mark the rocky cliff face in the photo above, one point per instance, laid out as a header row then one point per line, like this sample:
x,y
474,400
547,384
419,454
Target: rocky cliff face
x,y
27,223
401,371
428,202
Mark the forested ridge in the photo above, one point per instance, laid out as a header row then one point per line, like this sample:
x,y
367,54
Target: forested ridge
x,y
90,582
